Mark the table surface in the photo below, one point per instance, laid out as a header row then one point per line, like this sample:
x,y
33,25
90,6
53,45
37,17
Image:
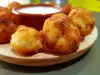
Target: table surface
x,y
85,65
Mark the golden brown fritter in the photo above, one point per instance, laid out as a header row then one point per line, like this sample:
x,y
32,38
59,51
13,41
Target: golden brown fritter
x,y
13,5
83,19
10,8
61,36
26,40
51,29
7,28
4,13
67,8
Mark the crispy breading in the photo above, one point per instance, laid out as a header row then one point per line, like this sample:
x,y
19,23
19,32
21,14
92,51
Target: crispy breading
x,y
67,8
13,5
26,40
83,19
4,13
61,36
7,28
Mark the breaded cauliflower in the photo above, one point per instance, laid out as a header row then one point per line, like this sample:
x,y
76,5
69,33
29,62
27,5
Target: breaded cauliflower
x,y
13,5
7,28
26,40
83,20
61,36
4,13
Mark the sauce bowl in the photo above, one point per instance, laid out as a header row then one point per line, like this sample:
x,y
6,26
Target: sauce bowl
x,y
34,15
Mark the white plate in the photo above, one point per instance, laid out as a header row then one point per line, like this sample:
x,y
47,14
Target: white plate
x,y
44,59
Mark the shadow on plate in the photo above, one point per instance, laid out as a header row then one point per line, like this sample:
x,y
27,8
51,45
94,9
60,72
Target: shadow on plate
x,y
24,69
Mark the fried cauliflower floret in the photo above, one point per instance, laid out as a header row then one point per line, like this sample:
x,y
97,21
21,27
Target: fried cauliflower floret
x,y
26,40
7,28
69,42
13,5
83,19
61,36
51,29
4,13
67,8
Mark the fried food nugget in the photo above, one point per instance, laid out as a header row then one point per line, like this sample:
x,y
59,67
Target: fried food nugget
x,y
51,29
4,13
13,5
61,36
10,8
67,8
83,19
7,28
26,40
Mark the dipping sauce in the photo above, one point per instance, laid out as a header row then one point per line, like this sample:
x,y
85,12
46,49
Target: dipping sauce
x,y
34,15
38,10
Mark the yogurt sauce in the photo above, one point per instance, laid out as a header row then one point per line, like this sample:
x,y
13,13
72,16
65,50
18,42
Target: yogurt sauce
x,y
39,10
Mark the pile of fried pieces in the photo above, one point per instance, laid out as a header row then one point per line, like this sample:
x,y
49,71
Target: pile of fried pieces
x,y
61,33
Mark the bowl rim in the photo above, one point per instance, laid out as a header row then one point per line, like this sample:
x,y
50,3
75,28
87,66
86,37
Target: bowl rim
x,y
14,10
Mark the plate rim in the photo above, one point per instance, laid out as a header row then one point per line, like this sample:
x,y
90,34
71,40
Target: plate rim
x,y
57,56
